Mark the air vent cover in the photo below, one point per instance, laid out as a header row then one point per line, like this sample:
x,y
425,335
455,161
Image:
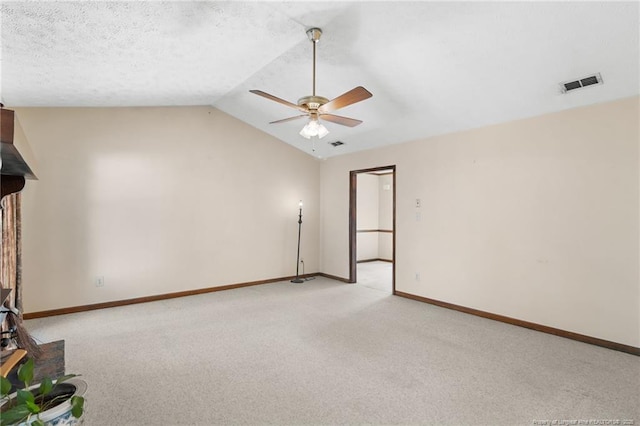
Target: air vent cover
x,y
336,143
581,82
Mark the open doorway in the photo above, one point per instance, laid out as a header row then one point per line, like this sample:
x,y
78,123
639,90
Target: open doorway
x,y
372,222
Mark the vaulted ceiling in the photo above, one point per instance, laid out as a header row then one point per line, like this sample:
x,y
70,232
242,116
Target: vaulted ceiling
x,y
433,67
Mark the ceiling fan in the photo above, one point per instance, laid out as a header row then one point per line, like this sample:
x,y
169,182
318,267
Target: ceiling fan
x,y
317,107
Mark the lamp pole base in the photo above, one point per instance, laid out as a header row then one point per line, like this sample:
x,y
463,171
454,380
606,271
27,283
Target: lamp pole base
x,y
297,280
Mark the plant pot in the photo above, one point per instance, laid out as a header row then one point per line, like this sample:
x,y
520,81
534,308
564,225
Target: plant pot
x,y
60,415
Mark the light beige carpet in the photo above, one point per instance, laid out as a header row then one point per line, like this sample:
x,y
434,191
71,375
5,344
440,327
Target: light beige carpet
x,y
325,352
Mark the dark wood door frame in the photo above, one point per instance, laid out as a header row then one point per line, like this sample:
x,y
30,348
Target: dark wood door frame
x,y
353,192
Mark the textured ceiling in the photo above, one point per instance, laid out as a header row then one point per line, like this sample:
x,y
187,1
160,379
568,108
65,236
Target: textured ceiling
x,y
433,67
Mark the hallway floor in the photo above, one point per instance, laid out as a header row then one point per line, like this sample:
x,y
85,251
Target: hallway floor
x,y
376,275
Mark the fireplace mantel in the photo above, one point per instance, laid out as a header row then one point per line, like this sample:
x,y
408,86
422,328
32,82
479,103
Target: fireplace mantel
x,y
18,162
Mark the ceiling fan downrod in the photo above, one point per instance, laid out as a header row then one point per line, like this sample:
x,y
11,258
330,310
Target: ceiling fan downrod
x,y
314,36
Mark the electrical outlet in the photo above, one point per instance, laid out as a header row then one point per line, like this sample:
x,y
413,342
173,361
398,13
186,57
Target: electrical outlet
x,y
99,281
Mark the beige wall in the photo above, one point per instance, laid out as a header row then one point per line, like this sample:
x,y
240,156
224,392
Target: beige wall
x,y
159,200
385,246
385,201
536,219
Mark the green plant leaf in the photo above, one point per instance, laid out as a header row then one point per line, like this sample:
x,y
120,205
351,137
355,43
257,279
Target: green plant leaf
x,y
33,407
45,386
14,415
25,372
25,396
65,378
5,386
37,422
77,406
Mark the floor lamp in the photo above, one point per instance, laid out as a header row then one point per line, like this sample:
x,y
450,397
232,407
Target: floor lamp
x,y
297,279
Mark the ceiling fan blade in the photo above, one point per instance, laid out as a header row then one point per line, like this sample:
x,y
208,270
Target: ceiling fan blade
x,y
284,120
345,121
277,99
351,97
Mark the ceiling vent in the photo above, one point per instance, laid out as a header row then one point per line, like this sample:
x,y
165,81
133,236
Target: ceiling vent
x,y
580,83
336,144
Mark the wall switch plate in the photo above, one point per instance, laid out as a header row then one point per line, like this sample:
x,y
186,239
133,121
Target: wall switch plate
x,y
418,203
99,281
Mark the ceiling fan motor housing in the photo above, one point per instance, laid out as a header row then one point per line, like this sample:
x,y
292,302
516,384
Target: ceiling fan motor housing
x,y
312,102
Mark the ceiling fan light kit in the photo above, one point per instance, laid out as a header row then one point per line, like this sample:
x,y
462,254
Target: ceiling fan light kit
x,y
314,128
318,107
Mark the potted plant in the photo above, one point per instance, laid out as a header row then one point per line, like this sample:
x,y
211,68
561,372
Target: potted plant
x,y
51,402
